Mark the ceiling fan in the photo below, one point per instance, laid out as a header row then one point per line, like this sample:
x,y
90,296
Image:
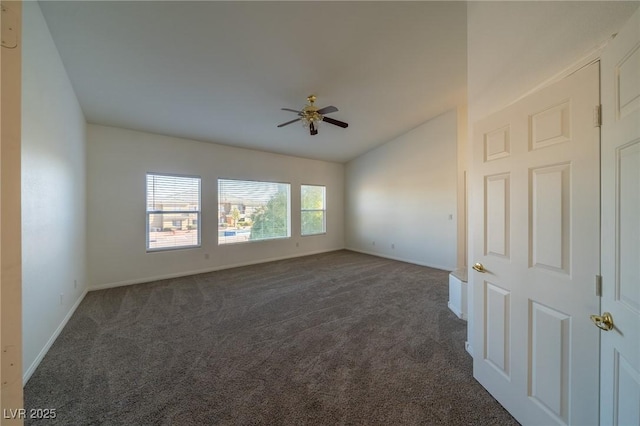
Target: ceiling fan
x,y
311,116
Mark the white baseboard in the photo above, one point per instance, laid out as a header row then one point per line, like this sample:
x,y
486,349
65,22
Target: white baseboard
x,y
400,259
203,271
456,311
468,348
32,368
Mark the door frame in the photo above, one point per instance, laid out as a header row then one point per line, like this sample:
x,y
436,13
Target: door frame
x,y
10,217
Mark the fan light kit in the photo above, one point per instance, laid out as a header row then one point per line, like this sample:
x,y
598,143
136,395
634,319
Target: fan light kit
x,y
311,116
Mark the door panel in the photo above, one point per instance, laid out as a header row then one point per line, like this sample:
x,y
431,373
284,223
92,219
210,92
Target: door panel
x,y
627,86
627,392
497,215
620,347
550,218
497,328
496,144
627,292
535,192
551,126
550,337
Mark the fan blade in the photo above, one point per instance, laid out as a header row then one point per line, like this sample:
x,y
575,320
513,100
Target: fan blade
x,y
335,122
292,110
288,122
312,129
327,110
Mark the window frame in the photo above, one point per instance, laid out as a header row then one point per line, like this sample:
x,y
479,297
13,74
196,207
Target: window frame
x,y
166,212
323,210
288,228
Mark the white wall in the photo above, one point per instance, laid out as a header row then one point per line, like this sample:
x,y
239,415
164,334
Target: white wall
x,y
118,161
53,191
403,193
514,47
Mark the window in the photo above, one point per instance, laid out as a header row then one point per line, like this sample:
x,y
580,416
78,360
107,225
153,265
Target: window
x,y
173,212
252,211
313,211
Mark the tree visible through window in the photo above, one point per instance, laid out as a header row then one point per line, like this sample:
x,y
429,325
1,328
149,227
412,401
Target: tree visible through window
x,y
312,214
252,210
173,211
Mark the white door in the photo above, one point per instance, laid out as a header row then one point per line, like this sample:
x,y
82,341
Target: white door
x,y
620,347
535,191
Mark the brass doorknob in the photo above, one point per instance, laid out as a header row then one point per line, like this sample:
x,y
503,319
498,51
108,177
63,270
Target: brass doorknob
x,y
604,321
479,267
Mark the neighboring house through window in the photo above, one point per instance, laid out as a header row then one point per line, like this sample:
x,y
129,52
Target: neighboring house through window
x,y
252,211
173,211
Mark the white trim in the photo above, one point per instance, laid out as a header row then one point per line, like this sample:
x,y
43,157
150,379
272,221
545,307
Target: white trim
x,y
415,262
456,311
468,348
32,368
586,60
204,271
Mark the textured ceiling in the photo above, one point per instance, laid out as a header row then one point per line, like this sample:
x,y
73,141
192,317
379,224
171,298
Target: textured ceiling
x,y
220,71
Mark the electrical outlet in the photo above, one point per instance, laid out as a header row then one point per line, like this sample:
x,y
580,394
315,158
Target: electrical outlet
x,y
206,256
393,246
450,217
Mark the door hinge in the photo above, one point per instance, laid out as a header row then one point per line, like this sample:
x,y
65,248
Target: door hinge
x,y
597,116
598,285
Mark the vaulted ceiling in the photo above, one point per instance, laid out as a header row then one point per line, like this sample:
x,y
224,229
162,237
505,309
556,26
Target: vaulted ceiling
x,y
220,71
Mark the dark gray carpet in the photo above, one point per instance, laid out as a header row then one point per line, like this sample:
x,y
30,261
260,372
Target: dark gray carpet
x,y
337,338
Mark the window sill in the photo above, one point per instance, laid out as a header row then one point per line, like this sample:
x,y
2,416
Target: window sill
x,y
163,249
